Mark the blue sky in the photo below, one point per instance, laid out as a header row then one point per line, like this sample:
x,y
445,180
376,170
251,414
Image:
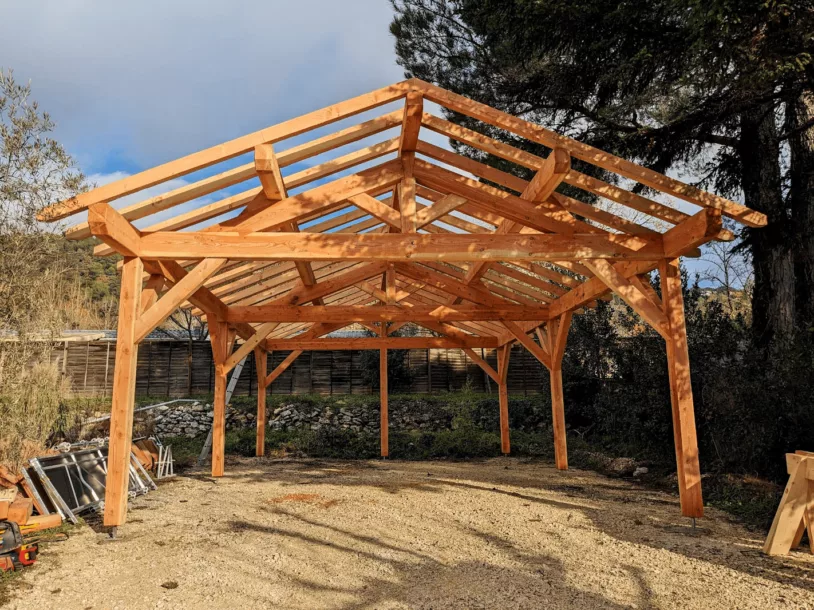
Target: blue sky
x,y
135,84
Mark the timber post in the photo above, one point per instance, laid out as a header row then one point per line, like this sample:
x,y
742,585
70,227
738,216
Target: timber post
x,y
384,420
260,371
124,391
219,336
503,397
557,334
678,364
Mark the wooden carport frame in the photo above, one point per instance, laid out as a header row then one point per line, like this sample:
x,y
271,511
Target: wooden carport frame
x,y
479,256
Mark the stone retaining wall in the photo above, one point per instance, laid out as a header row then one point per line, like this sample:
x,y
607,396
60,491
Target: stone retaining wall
x,y
193,419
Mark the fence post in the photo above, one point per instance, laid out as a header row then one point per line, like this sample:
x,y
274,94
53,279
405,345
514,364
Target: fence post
x,y
169,369
311,372
211,366
87,357
189,367
149,364
429,371
107,367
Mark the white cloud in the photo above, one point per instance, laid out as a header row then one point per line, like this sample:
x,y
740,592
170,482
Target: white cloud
x,y
155,80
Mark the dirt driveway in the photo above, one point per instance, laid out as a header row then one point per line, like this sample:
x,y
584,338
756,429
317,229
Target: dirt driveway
x,y
328,534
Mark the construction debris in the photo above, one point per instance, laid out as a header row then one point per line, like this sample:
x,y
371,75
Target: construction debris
x,y
68,482
155,456
16,522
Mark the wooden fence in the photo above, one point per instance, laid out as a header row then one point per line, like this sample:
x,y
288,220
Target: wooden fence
x,y
179,368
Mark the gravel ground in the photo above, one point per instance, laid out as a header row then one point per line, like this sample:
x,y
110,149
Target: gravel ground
x,y
328,534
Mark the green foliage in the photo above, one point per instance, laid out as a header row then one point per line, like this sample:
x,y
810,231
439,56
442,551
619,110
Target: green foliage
x,y
721,91
753,501
658,81
399,374
751,408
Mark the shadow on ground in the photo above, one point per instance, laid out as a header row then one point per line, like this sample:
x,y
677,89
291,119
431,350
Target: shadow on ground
x,y
658,523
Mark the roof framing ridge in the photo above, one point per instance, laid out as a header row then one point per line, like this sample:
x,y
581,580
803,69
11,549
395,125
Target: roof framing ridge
x,y
227,150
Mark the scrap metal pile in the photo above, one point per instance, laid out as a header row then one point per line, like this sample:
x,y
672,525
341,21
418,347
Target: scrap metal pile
x,y
62,487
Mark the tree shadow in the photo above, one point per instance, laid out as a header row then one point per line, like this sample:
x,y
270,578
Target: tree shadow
x,y
416,579
658,524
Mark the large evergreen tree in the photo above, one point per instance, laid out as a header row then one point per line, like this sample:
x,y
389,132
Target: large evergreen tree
x,y
720,89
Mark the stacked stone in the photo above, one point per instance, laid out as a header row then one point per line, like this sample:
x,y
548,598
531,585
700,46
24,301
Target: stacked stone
x,y
193,419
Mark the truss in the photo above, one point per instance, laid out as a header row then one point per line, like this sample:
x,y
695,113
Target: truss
x,y
399,230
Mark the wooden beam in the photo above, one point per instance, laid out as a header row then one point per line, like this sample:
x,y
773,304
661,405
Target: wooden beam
x,y
383,414
260,365
219,338
503,354
585,152
557,335
390,284
255,198
399,295
367,343
282,367
407,205
630,294
245,172
268,170
331,282
642,283
470,166
440,208
678,363
202,298
151,291
391,313
357,273
796,505
594,287
697,230
172,198
473,355
180,292
251,343
323,198
272,285
377,209
573,177
222,152
475,294
392,247
548,176
123,396
546,180
535,350
113,229
413,109
506,205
